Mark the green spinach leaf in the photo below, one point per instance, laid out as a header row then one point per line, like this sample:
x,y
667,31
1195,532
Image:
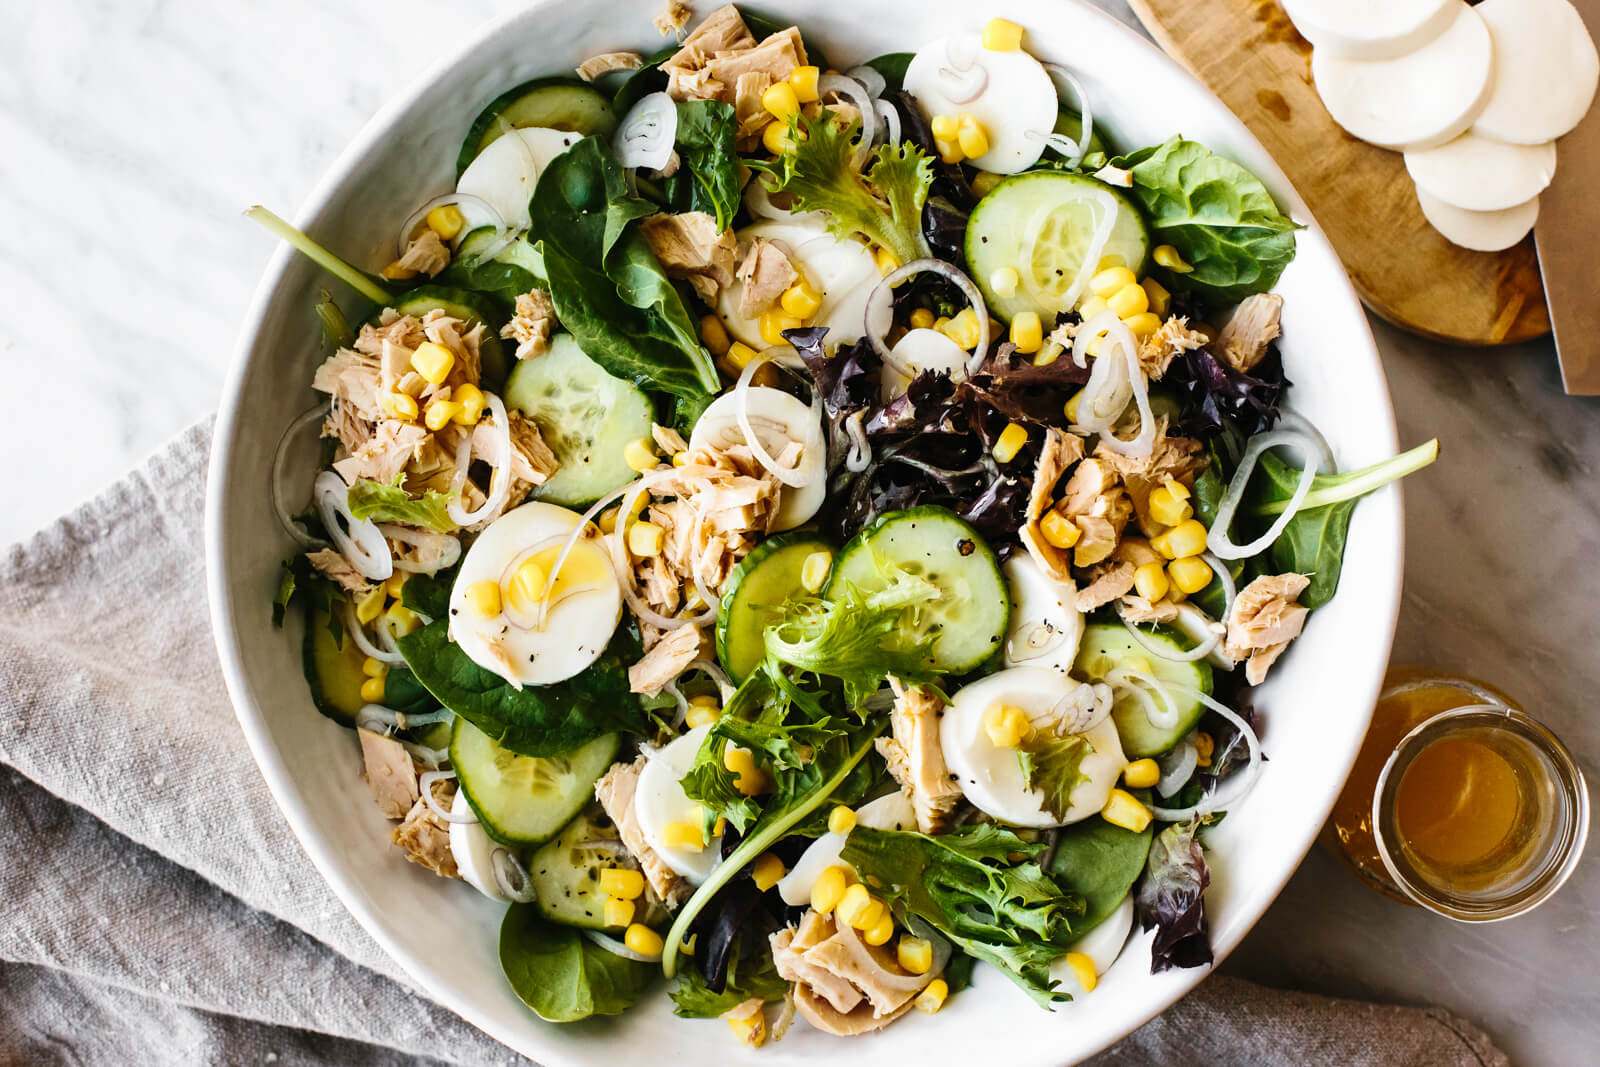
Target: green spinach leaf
x,y
563,976
516,269
707,178
892,65
1099,862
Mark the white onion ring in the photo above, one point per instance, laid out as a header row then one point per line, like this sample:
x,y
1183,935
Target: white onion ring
x,y
1132,681
1242,784
853,91
1218,539
1034,650
859,457
881,977
510,877
682,702
1293,420
500,468
869,78
358,633
790,476
886,286
1085,112
360,541
294,430
477,203
377,715
1200,651
508,608
891,121
447,549
425,785
1100,420
1107,202
758,201
1225,576
617,948
711,670
645,136
1177,767
433,757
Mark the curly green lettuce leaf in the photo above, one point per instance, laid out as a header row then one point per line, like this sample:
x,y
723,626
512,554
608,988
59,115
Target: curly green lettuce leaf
x,y
373,500
1053,765
855,636
750,975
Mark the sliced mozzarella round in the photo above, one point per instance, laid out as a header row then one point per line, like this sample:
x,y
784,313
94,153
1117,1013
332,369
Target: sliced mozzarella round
x,y
1046,624
1416,100
660,801
1009,93
585,605
892,812
920,350
1482,174
1369,29
473,850
777,419
1481,231
1545,70
842,272
504,174
991,775
1103,944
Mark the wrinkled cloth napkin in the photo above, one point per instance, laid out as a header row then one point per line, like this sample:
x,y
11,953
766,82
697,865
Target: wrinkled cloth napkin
x,y
157,909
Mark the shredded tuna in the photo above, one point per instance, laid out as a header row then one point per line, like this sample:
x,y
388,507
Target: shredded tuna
x,y
667,658
915,757
532,463
1172,339
749,112
776,56
1107,581
766,273
690,247
1060,451
688,76
334,567
351,377
789,948
608,63
426,837
426,254
391,775
667,439
615,792
673,18
1176,459
1264,618
1138,610
834,989
530,326
385,455
1096,502
1246,336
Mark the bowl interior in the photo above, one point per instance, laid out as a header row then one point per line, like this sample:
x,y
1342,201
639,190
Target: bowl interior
x,y
1316,704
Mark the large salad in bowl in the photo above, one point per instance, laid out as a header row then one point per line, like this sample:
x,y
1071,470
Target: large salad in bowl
x,y
806,533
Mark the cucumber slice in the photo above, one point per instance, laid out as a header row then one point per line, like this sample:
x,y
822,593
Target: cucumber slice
x,y
525,800
1106,646
565,874
471,308
586,416
556,103
1040,224
333,670
968,621
757,588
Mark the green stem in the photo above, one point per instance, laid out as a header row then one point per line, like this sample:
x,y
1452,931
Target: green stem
x,y
748,850
1359,483
355,279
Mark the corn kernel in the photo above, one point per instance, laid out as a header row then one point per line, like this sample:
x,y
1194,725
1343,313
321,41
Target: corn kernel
x,y
646,539
774,322
949,151
800,300
470,397
1177,488
372,690
1006,726
1160,299
814,571
1204,748
1141,774
1168,257
748,1021
484,598
1110,280
1083,970
1129,301
933,995
1059,530
1002,35
1123,809
922,319
886,260
374,668
1027,332
440,414
1163,545
1167,509
640,455
618,911
804,80
1004,282
702,714
1072,406
777,139
963,329
1010,442
740,354
1047,355
713,335
854,905
828,890
1143,324
841,820
402,620
1188,538
399,406
1091,307
370,606
396,273
766,871
433,361
1190,574
881,931
945,127
622,882
973,138
914,954
781,101
608,519
742,765
643,940
447,221
1151,581
686,835
721,826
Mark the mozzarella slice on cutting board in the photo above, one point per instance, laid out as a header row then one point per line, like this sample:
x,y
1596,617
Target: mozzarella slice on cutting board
x,y
586,603
1545,70
892,812
843,272
1009,93
777,419
1103,944
991,775
1369,29
1481,231
473,850
1415,100
660,800
1046,624
504,174
919,350
1482,174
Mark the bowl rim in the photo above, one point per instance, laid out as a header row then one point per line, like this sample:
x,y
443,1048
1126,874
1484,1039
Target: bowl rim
x,y
233,414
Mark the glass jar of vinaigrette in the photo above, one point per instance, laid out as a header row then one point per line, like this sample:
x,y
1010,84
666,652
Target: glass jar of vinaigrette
x,y
1459,801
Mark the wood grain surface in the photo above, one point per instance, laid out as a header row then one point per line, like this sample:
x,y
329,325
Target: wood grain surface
x,y
1249,54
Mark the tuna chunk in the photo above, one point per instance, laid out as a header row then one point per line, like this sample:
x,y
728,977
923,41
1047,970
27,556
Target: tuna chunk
x,y
390,774
615,792
1060,451
426,837
766,273
608,63
1108,581
838,978
1264,618
1253,327
531,324
690,247
915,758
334,567
667,659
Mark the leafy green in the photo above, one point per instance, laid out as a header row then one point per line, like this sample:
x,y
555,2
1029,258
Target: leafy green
x,y
336,331
1171,898
563,976
428,594
1099,862
360,281
964,884
368,499
1053,765
300,582
853,635
749,975
1218,215
884,205
892,65
707,178
516,269
536,720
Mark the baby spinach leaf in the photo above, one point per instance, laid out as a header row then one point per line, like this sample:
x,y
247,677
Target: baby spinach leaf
x,y
536,720
1100,862
892,65
707,178
562,975
516,269
1218,216
429,594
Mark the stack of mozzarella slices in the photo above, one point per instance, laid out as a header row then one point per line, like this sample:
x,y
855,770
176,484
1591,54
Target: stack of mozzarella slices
x,y
1475,97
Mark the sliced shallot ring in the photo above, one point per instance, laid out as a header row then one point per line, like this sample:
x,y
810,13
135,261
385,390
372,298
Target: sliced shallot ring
x,y
510,877
1242,784
1177,767
646,134
859,457
359,541
274,486
375,716
515,615
857,94
1225,576
477,203
790,476
447,548
1200,651
1218,540
358,633
1293,420
617,948
891,121
917,266
1085,112
500,469
425,786
1090,414
870,79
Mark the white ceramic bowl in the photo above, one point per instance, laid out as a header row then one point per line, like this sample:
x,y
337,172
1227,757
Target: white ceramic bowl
x,y
1316,704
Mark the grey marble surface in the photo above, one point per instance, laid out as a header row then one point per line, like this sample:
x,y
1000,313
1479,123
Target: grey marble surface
x,y
135,132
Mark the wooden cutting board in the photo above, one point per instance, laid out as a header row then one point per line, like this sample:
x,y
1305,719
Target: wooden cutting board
x,y
1249,54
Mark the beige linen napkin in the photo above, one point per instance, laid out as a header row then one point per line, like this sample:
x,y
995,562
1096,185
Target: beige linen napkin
x,y
157,910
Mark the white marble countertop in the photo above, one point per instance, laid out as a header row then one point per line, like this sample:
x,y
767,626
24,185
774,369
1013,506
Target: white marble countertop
x,y
135,133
